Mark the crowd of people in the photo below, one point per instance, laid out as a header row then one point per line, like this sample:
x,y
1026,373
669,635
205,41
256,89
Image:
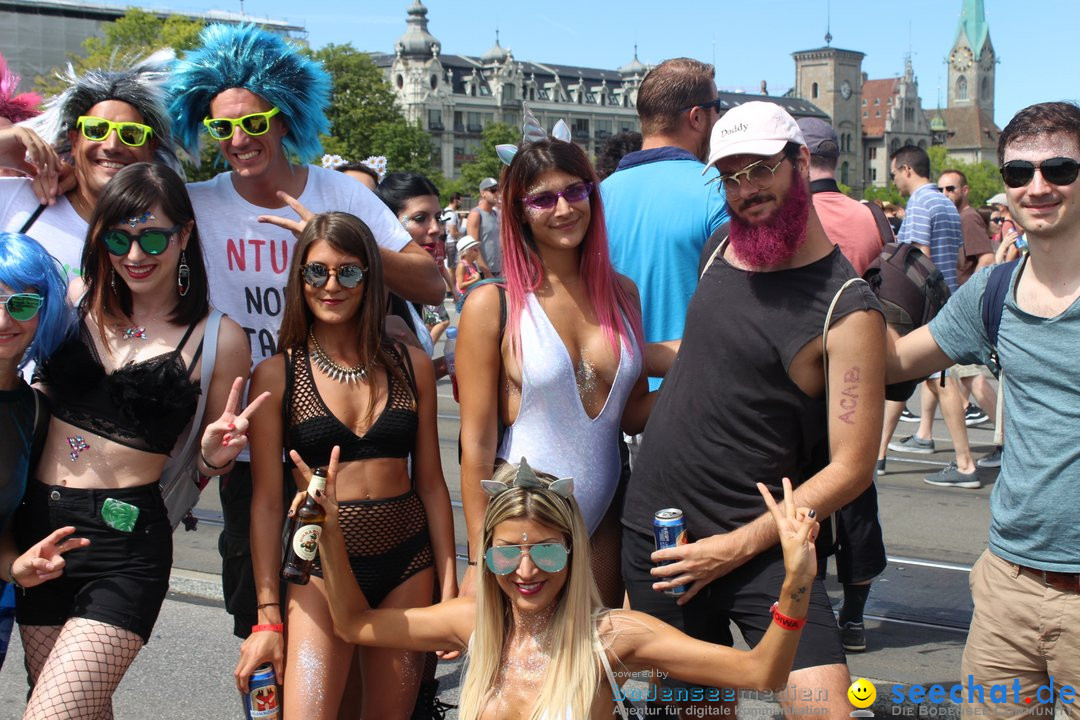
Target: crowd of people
x,y
284,316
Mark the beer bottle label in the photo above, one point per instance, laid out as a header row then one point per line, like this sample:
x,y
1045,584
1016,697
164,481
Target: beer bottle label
x,y
306,541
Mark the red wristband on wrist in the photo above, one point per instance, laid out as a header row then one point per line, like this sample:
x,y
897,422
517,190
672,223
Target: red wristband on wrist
x,y
279,627
785,621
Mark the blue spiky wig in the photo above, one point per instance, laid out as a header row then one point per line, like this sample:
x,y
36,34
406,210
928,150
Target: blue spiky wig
x,y
248,57
25,265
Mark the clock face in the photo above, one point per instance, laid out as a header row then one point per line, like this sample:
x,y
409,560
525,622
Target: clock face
x,y
845,90
986,62
961,58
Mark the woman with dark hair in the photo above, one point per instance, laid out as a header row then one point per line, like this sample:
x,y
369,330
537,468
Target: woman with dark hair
x,y
339,381
415,201
566,371
123,391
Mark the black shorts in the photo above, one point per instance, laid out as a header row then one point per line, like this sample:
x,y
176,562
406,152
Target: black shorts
x,y
743,596
860,549
121,578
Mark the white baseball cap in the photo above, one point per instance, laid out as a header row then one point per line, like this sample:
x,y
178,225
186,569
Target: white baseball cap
x,y
754,128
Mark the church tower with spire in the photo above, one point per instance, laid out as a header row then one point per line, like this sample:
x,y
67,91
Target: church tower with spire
x,y
972,61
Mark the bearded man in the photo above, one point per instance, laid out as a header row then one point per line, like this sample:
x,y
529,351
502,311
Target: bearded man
x,y
745,403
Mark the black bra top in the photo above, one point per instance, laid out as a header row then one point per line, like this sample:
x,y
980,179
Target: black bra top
x,y
143,405
312,429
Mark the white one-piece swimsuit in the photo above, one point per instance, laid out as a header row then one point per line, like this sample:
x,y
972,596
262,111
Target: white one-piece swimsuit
x,y
553,431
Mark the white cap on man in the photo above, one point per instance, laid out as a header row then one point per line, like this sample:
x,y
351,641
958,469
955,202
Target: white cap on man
x,y
754,128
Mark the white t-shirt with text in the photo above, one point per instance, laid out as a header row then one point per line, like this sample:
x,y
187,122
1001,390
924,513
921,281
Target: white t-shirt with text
x,y
59,229
247,261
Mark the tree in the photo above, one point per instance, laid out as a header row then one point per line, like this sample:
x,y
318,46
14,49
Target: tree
x,y
983,178
885,193
485,162
364,117
134,35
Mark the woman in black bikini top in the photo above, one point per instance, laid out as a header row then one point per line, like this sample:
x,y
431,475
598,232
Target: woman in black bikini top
x,y
338,381
123,390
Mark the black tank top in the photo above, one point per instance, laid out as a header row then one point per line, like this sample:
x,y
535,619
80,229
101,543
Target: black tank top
x,y
313,431
729,415
144,405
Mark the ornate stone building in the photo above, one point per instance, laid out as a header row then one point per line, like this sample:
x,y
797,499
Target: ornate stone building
x,y
970,133
831,78
892,116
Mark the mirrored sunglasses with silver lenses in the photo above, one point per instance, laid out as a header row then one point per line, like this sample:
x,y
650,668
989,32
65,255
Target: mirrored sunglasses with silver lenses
x,y
504,559
546,200
1056,171
22,306
317,274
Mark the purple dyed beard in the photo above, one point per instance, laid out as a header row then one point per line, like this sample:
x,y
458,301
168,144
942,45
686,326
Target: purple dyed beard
x,y
776,239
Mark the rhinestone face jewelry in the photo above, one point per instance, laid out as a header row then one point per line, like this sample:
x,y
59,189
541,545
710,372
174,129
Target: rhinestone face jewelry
x,y
77,446
144,218
333,370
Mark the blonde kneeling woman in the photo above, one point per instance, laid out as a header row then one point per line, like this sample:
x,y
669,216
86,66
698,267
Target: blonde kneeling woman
x,y
540,644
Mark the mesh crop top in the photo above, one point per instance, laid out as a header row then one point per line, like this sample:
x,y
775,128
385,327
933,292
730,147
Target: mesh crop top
x,y
143,405
312,429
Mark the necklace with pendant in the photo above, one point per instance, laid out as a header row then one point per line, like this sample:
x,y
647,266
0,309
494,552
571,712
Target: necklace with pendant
x,y
333,370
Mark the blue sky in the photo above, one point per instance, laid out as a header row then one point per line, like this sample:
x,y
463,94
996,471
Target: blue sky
x,y
1035,40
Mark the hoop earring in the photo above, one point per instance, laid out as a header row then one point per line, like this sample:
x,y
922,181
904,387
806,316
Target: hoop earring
x,y
183,275
112,281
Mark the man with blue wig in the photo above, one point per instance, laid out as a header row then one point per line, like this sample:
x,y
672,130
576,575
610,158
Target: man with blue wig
x,y
264,103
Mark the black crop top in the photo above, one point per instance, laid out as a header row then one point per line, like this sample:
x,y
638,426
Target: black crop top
x,y
312,429
143,405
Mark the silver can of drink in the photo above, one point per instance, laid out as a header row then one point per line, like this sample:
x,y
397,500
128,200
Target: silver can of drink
x,y
261,701
669,530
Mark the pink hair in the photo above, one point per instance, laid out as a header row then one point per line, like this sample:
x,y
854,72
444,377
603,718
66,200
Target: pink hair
x,y
618,313
16,108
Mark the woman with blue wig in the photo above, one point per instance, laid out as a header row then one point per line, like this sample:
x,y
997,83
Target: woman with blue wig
x,y
34,320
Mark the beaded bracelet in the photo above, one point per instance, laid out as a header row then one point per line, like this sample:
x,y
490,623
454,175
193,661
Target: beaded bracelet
x,y
276,627
11,574
212,467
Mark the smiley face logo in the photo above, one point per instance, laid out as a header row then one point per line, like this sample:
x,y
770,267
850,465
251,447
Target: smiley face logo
x,y
862,693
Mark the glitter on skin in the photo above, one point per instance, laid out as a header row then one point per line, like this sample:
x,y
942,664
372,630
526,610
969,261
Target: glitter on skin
x,y
311,666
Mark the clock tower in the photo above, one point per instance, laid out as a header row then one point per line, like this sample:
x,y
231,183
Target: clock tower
x,y
972,61
831,79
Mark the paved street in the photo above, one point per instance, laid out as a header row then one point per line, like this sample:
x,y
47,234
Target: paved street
x,y
916,614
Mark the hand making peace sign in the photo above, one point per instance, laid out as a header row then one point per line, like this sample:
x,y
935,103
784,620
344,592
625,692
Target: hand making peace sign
x,y
224,438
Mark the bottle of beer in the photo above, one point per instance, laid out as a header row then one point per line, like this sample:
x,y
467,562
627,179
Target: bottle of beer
x,y
304,539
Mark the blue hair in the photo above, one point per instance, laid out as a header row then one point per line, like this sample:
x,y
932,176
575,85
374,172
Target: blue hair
x,y
24,264
247,57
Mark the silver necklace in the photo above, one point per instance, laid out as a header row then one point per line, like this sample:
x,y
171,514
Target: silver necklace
x,y
333,370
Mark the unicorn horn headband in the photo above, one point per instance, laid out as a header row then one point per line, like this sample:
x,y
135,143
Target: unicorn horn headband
x,y
532,131
527,478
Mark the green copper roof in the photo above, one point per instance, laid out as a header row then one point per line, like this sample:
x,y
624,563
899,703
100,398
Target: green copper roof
x,y
973,24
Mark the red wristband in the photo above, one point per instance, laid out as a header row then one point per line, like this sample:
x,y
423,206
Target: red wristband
x,y
785,621
278,627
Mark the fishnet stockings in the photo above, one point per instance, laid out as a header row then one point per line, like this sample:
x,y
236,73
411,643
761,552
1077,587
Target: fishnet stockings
x,y
74,670
606,547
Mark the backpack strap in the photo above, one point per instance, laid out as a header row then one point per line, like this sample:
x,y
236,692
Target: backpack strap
x,y
716,251
883,227
32,219
993,303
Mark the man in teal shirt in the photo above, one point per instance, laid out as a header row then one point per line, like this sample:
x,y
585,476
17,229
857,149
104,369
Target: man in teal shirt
x,y
1026,586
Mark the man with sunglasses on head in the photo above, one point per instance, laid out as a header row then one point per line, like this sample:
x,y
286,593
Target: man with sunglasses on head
x,y
102,122
745,403
1026,586
264,104
658,208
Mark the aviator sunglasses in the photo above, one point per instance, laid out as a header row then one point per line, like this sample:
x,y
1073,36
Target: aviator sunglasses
x,y
22,306
254,124
1056,171
97,129
504,559
317,274
546,200
153,241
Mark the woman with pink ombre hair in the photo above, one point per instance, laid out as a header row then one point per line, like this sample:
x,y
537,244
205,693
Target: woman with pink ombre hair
x,y
554,353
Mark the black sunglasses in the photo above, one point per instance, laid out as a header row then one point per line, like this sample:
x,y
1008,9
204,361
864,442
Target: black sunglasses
x,y
153,241
950,188
1056,171
714,104
317,274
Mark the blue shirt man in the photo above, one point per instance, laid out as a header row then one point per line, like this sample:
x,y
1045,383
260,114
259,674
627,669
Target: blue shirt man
x,y
930,219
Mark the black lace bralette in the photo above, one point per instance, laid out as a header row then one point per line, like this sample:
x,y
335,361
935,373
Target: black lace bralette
x,y
143,405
